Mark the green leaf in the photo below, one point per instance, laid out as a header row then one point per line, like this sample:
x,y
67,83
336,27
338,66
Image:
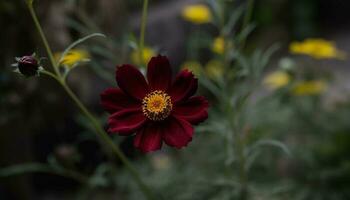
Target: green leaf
x,y
274,143
252,155
132,42
100,177
251,159
268,53
79,41
233,20
215,10
24,168
42,168
245,32
208,84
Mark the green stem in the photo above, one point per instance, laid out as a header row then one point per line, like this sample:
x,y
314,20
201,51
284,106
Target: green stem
x,y
106,139
143,30
247,18
43,37
99,130
239,146
239,149
242,169
222,14
51,75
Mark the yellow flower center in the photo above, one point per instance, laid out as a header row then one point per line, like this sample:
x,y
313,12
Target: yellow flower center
x,y
157,105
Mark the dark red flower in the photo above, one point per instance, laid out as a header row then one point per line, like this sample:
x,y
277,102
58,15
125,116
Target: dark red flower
x,y
159,110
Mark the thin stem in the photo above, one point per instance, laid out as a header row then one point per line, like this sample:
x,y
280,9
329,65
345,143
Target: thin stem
x,y
239,149
106,139
43,37
222,14
103,135
51,75
99,130
233,114
143,31
247,19
242,169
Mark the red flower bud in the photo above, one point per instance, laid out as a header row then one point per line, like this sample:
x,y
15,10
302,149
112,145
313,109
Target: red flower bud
x,y
28,65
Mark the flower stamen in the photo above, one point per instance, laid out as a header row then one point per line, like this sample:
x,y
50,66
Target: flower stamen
x,y
157,105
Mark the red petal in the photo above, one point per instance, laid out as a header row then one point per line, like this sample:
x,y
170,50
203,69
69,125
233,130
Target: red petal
x,y
177,132
184,86
126,121
194,110
149,138
131,81
114,100
159,73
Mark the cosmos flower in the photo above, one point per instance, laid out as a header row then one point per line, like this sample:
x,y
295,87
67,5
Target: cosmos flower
x,y
197,14
277,79
317,48
313,87
159,110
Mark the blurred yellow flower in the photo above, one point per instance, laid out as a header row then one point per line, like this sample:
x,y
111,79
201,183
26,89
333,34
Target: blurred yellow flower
x,y
218,45
317,48
277,80
310,87
147,54
193,66
161,162
214,69
197,14
73,57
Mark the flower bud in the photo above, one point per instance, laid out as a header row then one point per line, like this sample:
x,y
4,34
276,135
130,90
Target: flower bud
x,y
27,65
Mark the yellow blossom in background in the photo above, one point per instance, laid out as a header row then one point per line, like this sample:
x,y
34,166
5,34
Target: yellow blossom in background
x,y
214,69
73,57
218,45
277,80
193,66
197,14
317,48
161,162
147,53
314,87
